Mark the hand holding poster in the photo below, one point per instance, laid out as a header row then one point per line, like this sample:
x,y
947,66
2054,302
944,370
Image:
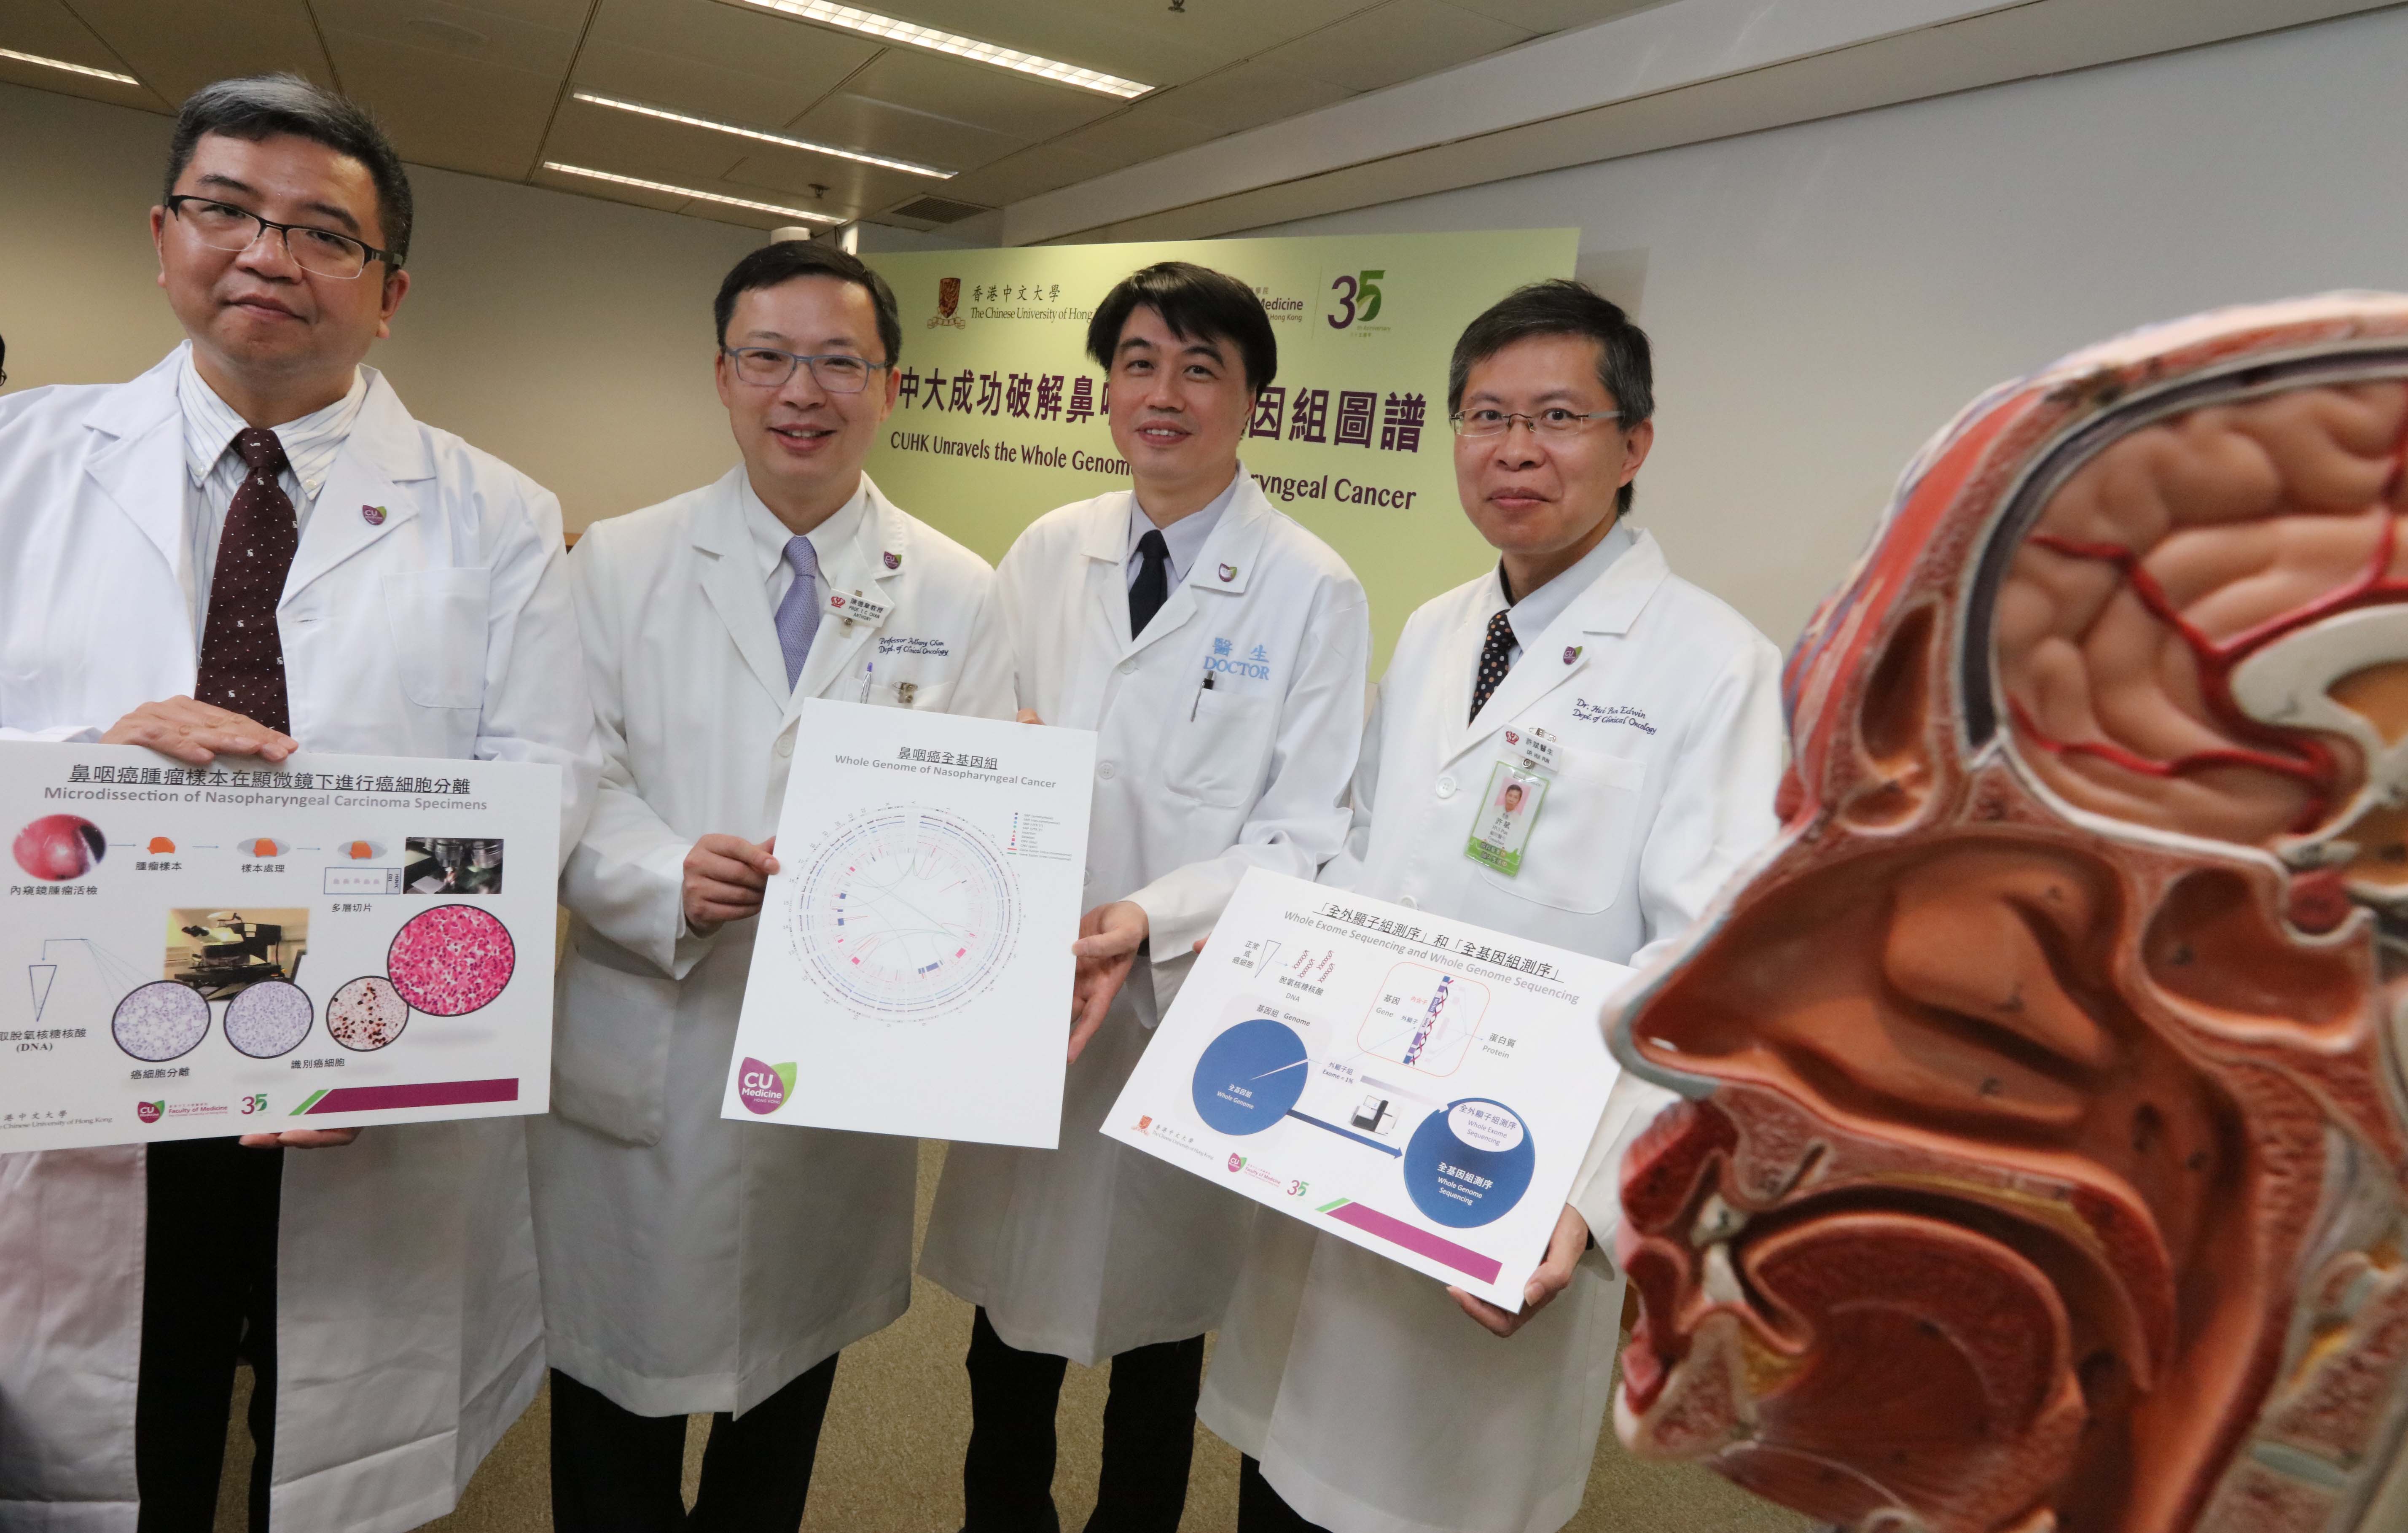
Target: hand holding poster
x,y
913,972
1422,1087
248,948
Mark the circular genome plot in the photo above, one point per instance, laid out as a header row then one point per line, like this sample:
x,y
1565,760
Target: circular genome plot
x,y
161,1019
451,960
367,1013
269,1019
906,915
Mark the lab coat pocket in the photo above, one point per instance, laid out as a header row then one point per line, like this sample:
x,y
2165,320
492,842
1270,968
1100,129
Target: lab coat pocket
x,y
438,634
611,1055
1217,756
1579,852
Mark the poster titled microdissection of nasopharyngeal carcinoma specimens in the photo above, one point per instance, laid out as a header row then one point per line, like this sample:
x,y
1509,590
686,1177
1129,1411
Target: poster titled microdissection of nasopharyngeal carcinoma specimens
x,y
913,971
248,947
1422,1087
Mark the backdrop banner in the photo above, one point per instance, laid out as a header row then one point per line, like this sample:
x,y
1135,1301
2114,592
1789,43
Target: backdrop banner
x,y
1001,416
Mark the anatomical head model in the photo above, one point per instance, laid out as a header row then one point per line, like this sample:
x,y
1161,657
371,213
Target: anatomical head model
x,y
2044,1161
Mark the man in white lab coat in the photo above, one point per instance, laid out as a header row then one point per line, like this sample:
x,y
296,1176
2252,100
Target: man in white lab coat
x,y
1364,1398
689,1263
250,548
1219,650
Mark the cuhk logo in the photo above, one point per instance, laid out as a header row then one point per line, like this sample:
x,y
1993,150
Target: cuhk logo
x,y
1144,1122
835,601
150,1112
1228,573
1571,653
372,515
1236,1161
893,560
1512,738
764,1088
949,295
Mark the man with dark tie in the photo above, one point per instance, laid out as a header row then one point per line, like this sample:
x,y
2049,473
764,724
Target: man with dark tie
x,y
251,548
1219,651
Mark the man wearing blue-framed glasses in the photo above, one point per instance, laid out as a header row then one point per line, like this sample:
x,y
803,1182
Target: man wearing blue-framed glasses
x,y
691,1264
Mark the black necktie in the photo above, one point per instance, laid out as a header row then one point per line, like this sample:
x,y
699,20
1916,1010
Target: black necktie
x,y
1152,586
1494,661
242,655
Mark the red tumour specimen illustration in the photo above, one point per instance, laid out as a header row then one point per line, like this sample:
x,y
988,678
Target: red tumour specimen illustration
x,y
451,960
60,845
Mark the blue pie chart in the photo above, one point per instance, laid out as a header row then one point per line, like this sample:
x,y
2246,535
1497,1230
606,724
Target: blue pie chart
x,y
1468,1164
1250,1076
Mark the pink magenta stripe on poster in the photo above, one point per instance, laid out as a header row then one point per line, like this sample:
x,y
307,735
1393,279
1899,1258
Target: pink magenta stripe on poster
x,y
431,1094
1462,1259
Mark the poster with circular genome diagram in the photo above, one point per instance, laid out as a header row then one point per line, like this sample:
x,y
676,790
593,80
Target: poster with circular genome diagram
x,y
905,914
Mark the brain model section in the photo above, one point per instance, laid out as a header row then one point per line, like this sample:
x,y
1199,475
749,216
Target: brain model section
x,y
2194,634
451,960
366,1014
269,1019
160,1020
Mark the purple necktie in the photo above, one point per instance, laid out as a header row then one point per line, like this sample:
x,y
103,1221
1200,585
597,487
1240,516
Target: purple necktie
x,y
798,615
242,657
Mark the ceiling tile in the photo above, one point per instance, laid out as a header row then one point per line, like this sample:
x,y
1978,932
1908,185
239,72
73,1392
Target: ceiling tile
x,y
424,37
906,133
177,49
48,29
1403,39
725,93
995,99
443,109
854,188
1146,131
1249,94
1025,174
1143,41
734,37
1543,16
665,202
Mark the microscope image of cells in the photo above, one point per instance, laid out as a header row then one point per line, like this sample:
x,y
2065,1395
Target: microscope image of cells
x,y
161,1020
366,1014
450,961
269,1019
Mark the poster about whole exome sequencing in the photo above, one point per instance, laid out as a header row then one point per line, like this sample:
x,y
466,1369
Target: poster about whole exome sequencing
x,y
327,941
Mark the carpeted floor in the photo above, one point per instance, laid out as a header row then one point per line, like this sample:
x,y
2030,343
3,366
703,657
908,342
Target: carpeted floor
x,y
890,1459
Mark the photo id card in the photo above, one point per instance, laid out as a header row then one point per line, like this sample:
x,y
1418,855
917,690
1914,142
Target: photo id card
x,y
1506,814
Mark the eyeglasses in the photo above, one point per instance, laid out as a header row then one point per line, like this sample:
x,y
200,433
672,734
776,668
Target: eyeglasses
x,y
223,226
768,367
1553,422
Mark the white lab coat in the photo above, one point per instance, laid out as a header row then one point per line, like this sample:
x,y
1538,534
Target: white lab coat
x,y
1092,1249
1374,1403
408,1333
690,1263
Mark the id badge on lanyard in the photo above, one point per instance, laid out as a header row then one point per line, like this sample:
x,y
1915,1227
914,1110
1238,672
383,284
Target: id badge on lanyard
x,y
1517,786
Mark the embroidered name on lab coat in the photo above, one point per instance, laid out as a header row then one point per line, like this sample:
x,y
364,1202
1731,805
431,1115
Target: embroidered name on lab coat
x,y
1586,711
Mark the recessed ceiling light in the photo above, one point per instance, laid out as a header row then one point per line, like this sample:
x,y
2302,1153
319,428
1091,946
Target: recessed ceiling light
x,y
887,29
70,68
689,191
667,116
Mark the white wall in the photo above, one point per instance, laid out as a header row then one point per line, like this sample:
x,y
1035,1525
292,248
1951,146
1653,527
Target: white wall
x,y
568,336
1823,297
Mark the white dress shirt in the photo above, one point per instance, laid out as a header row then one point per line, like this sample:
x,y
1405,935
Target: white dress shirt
x,y
771,535
312,444
1534,613
1186,536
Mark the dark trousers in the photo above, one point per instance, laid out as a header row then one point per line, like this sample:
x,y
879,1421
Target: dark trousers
x,y
209,1298
614,1471
1260,1510
1149,1437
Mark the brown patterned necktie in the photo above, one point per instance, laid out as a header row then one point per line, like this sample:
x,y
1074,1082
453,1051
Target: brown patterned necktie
x,y
242,658
1494,660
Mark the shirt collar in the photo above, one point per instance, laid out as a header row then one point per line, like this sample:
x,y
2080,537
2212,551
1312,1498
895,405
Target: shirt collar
x,y
771,536
311,444
1188,536
1535,613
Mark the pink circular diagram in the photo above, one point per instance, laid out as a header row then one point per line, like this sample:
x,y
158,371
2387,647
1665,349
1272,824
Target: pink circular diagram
x,y
367,1013
269,1019
160,1020
450,961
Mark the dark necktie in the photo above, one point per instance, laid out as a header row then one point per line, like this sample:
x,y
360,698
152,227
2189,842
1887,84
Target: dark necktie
x,y
1494,660
242,658
1153,587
